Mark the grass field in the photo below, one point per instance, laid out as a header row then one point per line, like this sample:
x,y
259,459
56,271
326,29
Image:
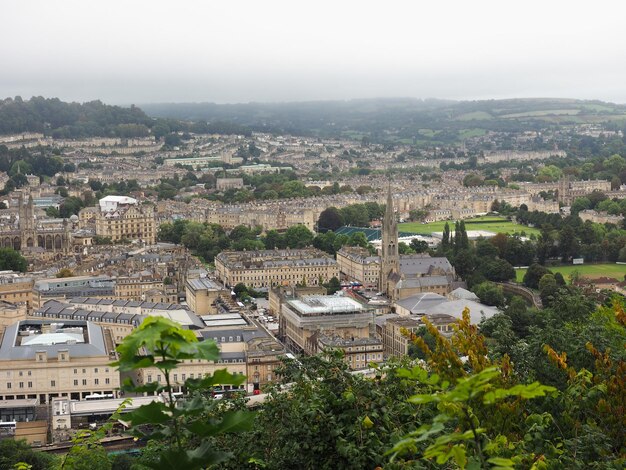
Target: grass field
x,y
490,224
547,112
587,270
469,133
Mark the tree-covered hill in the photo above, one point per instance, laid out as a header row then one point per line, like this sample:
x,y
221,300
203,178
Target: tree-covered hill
x,y
71,120
399,118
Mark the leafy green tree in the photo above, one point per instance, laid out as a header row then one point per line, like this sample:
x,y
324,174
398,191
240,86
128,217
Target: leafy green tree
x,y
273,239
14,451
92,457
547,288
419,246
490,294
298,236
333,285
329,419
71,206
497,270
186,428
533,274
330,219
471,399
65,272
11,260
358,239
445,240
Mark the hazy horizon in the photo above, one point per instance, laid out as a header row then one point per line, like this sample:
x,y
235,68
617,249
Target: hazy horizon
x,y
279,52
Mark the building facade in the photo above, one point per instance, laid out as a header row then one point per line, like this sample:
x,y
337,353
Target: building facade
x,y
122,218
43,360
267,268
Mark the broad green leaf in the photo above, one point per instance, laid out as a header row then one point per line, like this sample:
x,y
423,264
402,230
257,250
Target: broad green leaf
x,y
421,399
152,413
500,461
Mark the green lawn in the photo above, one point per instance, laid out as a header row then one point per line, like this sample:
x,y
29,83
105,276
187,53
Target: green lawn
x,y
547,112
469,133
587,270
488,223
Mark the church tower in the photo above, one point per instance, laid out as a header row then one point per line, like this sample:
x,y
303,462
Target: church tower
x,y
390,259
27,222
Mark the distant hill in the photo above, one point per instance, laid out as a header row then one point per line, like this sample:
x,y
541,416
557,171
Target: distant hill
x,y
71,120
399,119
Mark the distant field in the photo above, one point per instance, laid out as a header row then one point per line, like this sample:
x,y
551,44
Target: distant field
x,y
476,115
588,270
598,107
353,135
490,224
469,133
547,112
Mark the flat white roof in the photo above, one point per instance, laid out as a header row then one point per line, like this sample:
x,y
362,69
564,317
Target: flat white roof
x,y
48,339
326,303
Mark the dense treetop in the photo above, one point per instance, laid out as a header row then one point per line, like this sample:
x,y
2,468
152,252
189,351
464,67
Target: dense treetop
x,y
70,120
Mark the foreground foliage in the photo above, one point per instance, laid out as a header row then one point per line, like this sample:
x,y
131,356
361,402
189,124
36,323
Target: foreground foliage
x,y
183,427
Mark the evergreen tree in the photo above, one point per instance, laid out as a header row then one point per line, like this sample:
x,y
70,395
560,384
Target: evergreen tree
x,y
464,239
457,237
445,241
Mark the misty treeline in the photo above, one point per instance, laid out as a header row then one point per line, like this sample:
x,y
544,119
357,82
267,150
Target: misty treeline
x,y
62,120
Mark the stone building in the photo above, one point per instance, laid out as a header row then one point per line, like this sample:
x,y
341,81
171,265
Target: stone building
x,y
396,335
10,314
202,294
267,268
16,288
357,264
313,323
122,218
28,233
43,360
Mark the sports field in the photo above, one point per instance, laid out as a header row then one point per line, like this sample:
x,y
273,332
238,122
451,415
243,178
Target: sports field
x,y
488,223
587,270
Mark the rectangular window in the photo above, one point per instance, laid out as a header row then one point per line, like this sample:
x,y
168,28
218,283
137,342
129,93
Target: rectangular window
x,y
76,383
84,381
96,381
8,384
149,378
30,385
53,383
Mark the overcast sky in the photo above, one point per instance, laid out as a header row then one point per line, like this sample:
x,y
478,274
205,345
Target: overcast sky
x,y
229,51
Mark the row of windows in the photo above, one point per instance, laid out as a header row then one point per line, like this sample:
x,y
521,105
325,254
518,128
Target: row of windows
x,y
54,384
182,376
230,339
95,369
363,357
107,381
